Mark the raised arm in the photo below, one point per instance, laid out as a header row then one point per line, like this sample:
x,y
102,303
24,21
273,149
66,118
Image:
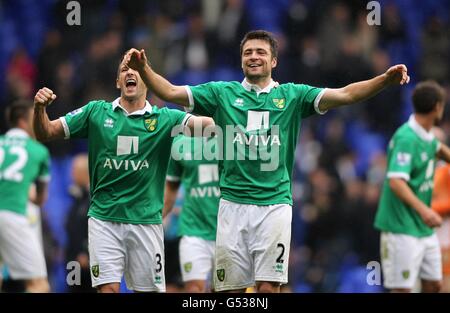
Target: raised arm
x,y
157,84
44,129
360,91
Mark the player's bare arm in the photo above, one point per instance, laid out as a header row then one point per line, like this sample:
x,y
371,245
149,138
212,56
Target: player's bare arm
x,y
360,91
41,193
45,129
444,153
161,87
404,193
170,195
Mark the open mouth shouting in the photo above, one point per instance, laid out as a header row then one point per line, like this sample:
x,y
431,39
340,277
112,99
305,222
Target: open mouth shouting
x,y
130,84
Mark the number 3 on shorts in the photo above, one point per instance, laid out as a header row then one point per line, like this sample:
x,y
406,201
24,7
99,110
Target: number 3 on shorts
x,y
158,263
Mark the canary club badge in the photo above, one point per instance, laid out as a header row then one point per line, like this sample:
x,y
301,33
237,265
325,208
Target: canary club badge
x,y
150,124
279,103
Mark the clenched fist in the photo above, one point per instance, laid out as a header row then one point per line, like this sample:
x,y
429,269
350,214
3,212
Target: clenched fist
x,y
44,97
397,74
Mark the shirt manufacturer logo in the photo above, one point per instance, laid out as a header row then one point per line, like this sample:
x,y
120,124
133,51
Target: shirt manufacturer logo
x,y
109,123
239,102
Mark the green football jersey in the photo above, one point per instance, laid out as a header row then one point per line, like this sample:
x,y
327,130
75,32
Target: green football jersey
x,y
128,158
411,156
260,132
23,161
199,175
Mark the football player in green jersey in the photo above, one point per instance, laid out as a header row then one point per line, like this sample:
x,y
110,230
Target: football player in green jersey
x,y
199,175
260,123
409,245
23,161
129,144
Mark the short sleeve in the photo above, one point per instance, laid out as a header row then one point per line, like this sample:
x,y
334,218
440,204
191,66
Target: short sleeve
x,y
174,171
44,168
438,144
76,123
400,162
178,117
308,99
204,98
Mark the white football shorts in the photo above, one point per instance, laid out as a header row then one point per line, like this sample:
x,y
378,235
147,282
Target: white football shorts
x,y
136,251
21,247
252,244
404,258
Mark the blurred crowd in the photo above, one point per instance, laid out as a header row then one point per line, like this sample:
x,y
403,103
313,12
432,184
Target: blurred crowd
x,y
340,161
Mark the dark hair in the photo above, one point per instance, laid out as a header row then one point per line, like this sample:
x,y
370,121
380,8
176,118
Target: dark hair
x,y
18,110
261,35
426,95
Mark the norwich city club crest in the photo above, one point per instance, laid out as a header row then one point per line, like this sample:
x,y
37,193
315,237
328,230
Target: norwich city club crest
x,y
221,274
187,267
279,103
95,270
405,274
150,124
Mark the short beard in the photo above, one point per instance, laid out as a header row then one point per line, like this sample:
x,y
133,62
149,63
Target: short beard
x,y
131,99
255,78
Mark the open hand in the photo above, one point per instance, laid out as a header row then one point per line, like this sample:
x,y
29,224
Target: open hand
x,y
431,218
135,59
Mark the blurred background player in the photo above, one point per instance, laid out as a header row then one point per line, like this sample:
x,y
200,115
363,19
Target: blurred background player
x,y
23,161
34,217
77,248
198,218
441,204
174,281
255,212
409,245
129,146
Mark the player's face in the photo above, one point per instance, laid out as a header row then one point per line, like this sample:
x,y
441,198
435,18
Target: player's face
x,y
257,60
130,83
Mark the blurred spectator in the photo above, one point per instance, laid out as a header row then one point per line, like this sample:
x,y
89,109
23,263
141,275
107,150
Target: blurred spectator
x,y
383,112
333,28
52,53
231,28
392,28
20,76
77,223
65,88
435,41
